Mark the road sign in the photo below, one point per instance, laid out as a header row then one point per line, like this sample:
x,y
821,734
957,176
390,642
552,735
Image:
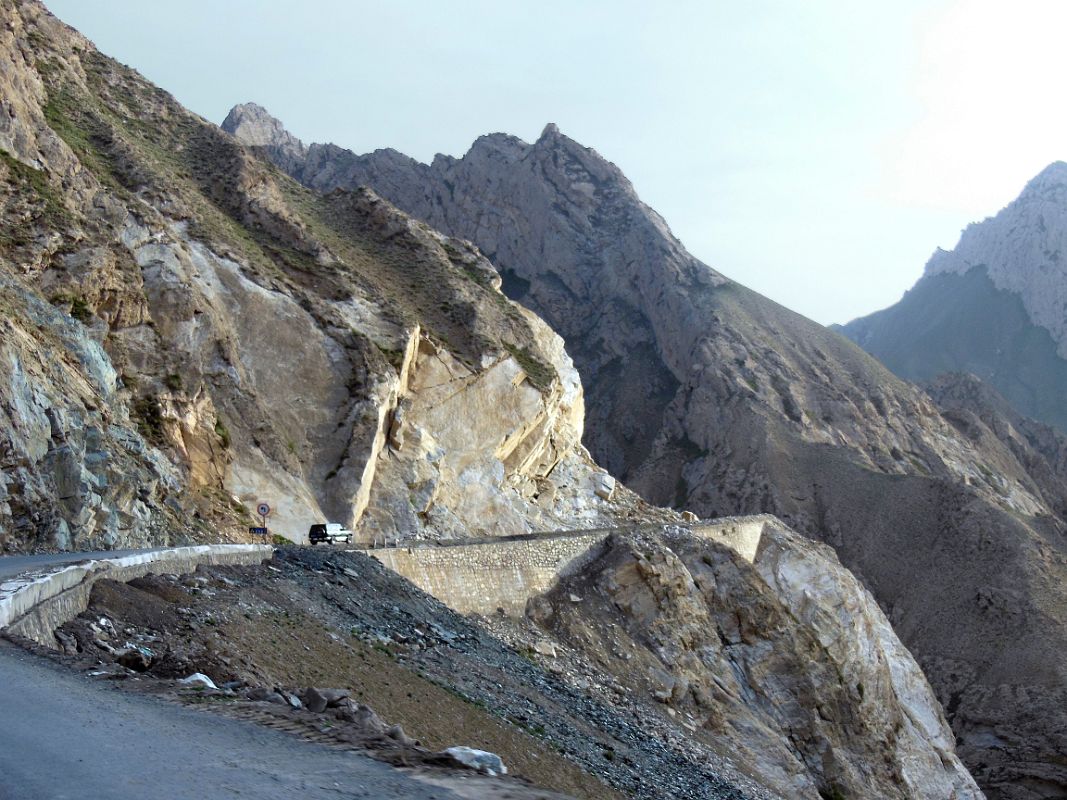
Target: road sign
x,y
263,509
258,531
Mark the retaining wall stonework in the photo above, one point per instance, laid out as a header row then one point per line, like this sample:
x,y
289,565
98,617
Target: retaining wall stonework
x,y
486,575
35,605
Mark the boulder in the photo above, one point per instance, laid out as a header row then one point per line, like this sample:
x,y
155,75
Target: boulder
x,y
134,659
314,700
480,760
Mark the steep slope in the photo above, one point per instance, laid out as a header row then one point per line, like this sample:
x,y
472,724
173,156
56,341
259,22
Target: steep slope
x,y
187,331
751,660
709,397
993,306
190,332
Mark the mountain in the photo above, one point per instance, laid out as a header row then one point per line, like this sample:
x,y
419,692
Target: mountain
x,y
705,396
994,306
188,332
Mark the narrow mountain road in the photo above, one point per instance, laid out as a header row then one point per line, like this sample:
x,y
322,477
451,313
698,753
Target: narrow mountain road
x,y
10,566
64,735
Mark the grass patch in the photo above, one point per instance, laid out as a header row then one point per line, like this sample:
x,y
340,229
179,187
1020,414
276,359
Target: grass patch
x,y
50,211
223,433
540,373
76,305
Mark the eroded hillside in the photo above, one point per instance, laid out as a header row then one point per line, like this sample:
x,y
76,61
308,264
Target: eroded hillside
x,y
230,337
705,396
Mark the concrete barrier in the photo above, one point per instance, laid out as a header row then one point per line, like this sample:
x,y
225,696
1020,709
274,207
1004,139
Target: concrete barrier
x,y
34,605
483,575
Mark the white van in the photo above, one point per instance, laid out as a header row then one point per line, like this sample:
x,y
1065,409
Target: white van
x,y
332,532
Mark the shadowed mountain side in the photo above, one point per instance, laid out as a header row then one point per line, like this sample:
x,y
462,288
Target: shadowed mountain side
x,y
707,396
962,323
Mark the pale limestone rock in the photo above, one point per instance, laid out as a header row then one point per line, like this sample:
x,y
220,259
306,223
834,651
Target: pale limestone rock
x,y
545,648
481,451
787,665
706,396
605,487
810,582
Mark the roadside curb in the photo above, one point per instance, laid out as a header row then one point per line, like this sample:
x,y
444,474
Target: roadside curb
x,y
35,604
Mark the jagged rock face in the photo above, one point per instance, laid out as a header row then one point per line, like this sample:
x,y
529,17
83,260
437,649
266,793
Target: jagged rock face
x,y
252,124
992,306
1023,249
192,333
706,396
73,469
186,325
754,659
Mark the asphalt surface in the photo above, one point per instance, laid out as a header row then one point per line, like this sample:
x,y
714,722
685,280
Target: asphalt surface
x,y
15,565
65,735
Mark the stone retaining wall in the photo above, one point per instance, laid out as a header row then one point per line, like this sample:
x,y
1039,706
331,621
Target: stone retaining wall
x,y
485,575
35,605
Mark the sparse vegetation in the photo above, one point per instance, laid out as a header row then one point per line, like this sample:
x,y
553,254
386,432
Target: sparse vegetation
x,y
32,185
76,305
223,433
145,412
541,374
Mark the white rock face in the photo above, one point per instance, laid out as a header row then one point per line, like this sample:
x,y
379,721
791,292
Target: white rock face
x,y
785,666
847,621
1023,249
482,452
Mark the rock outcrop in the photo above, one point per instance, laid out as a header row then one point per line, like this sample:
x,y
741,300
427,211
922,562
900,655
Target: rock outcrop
x,y
708,397
753,659
189,332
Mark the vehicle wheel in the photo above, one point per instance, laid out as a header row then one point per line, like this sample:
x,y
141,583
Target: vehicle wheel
x,y
348,540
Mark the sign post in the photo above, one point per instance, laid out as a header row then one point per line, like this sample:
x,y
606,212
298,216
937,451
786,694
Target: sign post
x,y
263,509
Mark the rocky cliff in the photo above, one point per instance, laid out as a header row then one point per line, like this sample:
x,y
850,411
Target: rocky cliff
x,y
993,306
751,659
706,396
189,332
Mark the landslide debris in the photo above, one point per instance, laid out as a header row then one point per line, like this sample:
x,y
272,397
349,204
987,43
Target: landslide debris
x,y
331,620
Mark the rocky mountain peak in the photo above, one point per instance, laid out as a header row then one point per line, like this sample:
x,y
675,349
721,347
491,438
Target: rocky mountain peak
x,y
1023,250
551,129
1052,176
706,396
254,125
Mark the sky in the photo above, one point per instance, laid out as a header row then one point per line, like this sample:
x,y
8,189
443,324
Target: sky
x,y
816,152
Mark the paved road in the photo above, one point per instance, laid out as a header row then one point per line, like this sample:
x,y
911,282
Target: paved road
x,y
65,735
14,565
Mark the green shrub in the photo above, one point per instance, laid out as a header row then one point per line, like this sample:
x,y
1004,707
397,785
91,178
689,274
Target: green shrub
x,y
223,433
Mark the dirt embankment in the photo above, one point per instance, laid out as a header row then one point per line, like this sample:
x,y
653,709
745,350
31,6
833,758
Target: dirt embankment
x,y
325,618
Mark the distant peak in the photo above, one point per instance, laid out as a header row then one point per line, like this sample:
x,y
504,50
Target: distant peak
x,y
551,129
1055,174
253,125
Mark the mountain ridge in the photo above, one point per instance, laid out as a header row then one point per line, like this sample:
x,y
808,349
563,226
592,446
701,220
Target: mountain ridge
x,y
1020,251
193,332
705,396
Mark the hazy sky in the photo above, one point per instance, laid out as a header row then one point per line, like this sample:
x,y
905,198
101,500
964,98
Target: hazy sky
x,y
817,152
